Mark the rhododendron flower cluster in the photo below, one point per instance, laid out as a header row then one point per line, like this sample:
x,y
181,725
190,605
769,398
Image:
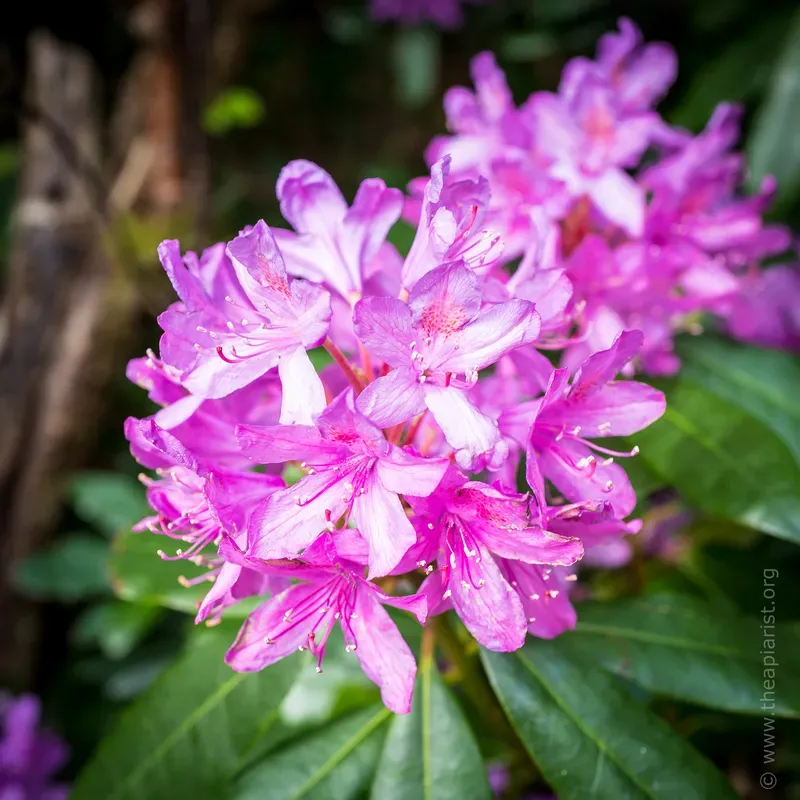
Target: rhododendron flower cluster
x,y
349,434
645,221
408,442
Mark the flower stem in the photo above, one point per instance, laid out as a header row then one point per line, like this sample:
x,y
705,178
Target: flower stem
x,y
338,356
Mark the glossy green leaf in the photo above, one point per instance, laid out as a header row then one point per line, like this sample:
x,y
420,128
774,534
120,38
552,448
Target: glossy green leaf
x,y
431,754
685,648
335,763
724,461
774,147
115,627
589,736
110,501
140,575
235,107
741,69
74,568
190,732
765,383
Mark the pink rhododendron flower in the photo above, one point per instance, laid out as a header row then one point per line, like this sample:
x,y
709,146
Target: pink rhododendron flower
x,y
352,470
332,590
643,247
468,528
222,344
436,344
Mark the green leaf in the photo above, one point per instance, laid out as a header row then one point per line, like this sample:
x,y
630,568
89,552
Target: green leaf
x,y
431,754
74,568
682,647
741,70
115,627
415,57
765,383
191,730
235,107
110,501
140,575
335,763
774,147
589,736
724,461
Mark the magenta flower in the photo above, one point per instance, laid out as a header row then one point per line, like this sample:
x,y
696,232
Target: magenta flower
x,y
206,427
767,310
639,73
593,405
343,248
444,13
590,137
440,334
352,470
30,756
263,321
332,590
468,528
450,226
197,506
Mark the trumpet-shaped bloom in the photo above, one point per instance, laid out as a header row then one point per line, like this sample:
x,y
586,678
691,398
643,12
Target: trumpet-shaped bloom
x,y
343,248
331,590
593,405
206,427
450,226
352,470
197,506
436,344
263,321
469,528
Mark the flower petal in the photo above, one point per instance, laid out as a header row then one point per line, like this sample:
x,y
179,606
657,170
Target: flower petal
x,y
405,473
310,199
250,652
303,398
602,367
393,398
383,523
620,198
594,481
494,332
383,324
486,602
274,444
291,519
620,408
469,432
444,300
384,655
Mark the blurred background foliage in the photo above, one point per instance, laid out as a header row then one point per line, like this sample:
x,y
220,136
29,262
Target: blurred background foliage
x,y
319,80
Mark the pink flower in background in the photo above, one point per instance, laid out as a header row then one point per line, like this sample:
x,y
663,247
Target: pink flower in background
x,y
444,13
644,247
30,756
